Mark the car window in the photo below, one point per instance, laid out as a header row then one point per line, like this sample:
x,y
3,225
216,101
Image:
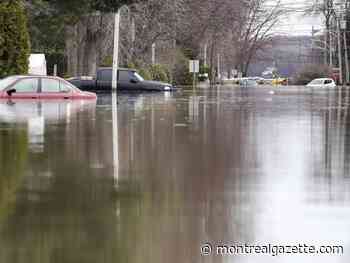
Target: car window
x,y
317,82
50,85
138,76
328,81
123,75
64,87
26,85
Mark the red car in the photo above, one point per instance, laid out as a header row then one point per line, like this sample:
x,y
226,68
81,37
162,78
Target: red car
x,y
40,87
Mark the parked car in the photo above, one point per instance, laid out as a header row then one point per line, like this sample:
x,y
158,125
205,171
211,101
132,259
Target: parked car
x,y
128,80
322,83
279,81
258,80
247,82
40,87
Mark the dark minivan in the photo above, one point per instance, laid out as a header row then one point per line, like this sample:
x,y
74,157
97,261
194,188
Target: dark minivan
x,y
128,80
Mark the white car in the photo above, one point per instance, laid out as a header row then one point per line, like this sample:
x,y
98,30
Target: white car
x,y
322,83
247,82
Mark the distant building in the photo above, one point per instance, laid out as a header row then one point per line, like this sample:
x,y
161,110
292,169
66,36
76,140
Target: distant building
x,y
37,64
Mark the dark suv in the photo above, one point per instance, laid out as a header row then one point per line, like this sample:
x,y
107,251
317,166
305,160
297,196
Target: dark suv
x,y
128,80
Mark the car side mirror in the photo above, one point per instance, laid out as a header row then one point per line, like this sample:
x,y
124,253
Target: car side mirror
x,y
134,81
11,91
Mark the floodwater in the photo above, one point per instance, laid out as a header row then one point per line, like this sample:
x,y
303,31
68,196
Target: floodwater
x,y
220,166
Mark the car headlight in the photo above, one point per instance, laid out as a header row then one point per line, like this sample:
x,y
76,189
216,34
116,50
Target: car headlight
x,y
167,88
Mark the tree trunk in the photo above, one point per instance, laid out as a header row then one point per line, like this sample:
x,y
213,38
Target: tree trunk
x,y
90,56
88,43
212,67
71,51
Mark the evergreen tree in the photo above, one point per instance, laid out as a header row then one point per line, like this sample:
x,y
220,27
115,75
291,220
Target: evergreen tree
x,y
14,38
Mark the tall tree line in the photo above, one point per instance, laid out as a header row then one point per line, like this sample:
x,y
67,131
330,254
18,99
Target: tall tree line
x,y
78,34
14,38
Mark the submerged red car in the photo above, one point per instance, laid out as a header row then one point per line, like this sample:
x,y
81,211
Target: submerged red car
x,y
40,87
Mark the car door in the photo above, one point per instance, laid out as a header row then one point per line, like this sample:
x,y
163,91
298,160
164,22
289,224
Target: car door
x,y
125,81
66,90
54,89
26,88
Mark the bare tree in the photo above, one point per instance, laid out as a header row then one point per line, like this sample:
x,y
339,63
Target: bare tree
x,y
252,32
149,22
237,29
209,24
326,9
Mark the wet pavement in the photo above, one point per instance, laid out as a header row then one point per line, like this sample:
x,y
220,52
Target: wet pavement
x,y
224,166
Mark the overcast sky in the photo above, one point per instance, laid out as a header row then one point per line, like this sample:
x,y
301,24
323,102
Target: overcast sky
x,y
297,23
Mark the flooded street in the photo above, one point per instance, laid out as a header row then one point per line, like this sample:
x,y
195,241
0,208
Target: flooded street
x,y
220,166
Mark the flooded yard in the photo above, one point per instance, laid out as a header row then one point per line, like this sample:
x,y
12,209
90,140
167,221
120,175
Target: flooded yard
x,y
220,166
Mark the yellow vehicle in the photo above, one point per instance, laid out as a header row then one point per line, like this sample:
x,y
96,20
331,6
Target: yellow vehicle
x,y
280,81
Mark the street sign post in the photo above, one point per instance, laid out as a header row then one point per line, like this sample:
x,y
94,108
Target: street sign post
x,y
194,68
235,73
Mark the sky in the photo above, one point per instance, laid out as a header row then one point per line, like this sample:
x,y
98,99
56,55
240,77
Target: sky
x,y
297,23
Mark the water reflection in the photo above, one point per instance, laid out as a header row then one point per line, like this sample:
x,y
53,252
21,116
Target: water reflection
x,y
218,165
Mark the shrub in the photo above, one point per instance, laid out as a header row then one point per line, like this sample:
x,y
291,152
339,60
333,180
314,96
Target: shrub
x,y
107,61
159,73
14,38
311,72
203,73
181,73
144,72
131,65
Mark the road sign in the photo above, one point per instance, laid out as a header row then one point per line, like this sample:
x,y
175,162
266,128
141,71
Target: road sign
x,y
343,24
194,66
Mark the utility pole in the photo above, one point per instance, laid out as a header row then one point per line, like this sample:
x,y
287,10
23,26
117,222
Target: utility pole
x,y
219,75
133,30
347,77
133,37
344,27
312,44
329,13
325,47
115,52
114,97
340,61
153,53
205,53
330,50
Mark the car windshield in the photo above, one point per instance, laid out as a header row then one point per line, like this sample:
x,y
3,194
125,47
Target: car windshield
x,y
4,83
317,82
138,76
